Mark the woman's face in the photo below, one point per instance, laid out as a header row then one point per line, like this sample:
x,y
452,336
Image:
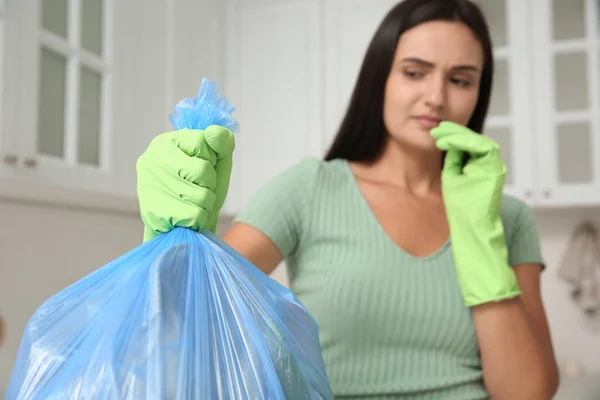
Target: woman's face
x,y
435,76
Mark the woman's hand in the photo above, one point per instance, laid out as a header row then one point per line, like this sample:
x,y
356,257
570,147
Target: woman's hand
x,y
183,179
472,197
516,350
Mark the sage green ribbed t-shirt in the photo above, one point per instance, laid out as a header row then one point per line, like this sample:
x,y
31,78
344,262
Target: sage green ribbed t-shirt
x,y
391,325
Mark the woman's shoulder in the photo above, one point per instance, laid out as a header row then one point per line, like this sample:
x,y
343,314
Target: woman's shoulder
x,y
515,214
512,207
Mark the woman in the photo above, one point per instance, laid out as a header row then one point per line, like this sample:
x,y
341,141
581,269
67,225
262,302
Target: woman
x,y
424,279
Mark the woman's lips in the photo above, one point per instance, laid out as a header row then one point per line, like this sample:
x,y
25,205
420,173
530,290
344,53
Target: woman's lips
x,y
427,122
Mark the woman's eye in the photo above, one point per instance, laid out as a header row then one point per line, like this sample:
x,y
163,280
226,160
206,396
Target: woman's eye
x,y
413,74
460,82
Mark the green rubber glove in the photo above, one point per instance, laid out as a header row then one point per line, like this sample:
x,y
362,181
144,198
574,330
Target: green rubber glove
x,y
472,197
183,179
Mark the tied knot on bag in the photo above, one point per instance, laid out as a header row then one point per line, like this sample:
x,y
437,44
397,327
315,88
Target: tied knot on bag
x,y
581,268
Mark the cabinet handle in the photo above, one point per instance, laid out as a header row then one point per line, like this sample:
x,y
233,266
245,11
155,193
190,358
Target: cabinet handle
x,y
30,162
547,193
10,159
528,193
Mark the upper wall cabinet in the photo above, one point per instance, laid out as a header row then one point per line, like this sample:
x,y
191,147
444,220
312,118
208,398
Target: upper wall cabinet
x,y
59,81
509,119
87,84
565,73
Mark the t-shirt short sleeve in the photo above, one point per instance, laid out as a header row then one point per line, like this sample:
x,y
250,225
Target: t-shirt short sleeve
x,y
281,208
521,233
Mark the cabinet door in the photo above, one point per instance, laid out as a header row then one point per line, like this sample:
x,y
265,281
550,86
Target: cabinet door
x,y
8,78
63,122
144,64
566,74
349,27
509,119
273,80
3,147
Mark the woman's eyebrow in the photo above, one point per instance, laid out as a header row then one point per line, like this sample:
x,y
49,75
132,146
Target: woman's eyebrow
x,y
430,64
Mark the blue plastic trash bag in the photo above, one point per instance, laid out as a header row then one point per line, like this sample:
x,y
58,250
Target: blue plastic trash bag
x,y
182,316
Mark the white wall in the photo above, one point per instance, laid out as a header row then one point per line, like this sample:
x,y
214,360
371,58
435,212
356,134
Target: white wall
x,y
572,338
42,250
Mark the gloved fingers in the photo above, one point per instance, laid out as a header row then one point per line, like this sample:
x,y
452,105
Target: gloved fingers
x,y
448,128
476,145
453,161
197,188
223,171
172,166
193,144
197,171
220,140
449,135
197,196
188,215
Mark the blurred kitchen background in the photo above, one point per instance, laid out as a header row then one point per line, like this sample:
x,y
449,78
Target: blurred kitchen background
x,y
86,84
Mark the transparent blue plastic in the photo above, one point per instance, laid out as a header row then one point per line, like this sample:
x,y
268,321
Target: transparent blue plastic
x,y
182,316
209,107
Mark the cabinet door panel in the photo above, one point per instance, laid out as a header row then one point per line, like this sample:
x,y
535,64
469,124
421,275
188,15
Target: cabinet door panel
x,y
568,19
509,117
275,86
497,15
571,88
574,150
65,95
8,84
349,27
52,98
500,102
566,77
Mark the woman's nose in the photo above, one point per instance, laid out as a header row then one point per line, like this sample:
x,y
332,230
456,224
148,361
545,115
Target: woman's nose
x,y
436,93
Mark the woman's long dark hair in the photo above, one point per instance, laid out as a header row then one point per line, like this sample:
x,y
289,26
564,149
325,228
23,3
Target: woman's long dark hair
x,y
362,134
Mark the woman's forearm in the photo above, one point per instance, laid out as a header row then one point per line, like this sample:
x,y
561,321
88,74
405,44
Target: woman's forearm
x,y
515,365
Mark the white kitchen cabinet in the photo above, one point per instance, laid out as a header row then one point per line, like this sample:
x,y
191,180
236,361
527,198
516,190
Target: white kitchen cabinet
x,y
60,81
7,109
89,83
546,100
509,119
566,77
